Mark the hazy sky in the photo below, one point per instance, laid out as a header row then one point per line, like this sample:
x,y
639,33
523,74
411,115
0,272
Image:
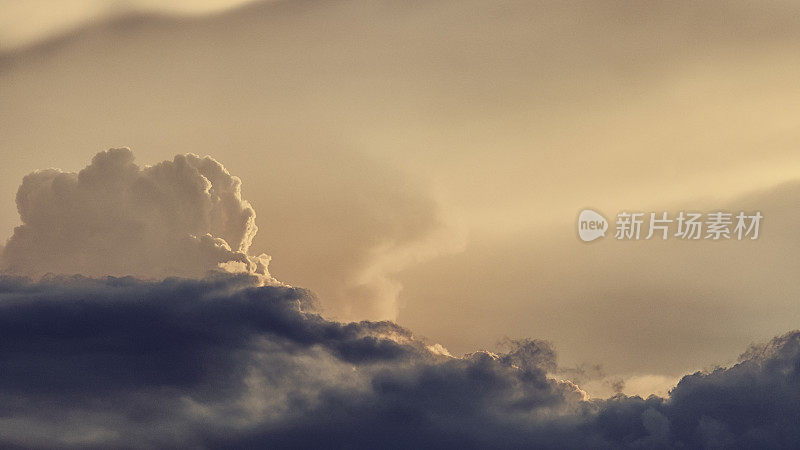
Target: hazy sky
x,y
426,161
26,23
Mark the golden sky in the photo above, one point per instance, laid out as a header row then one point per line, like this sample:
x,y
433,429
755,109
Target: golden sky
x,y
426,161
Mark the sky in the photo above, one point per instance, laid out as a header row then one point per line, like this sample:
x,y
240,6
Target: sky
x,y
420,163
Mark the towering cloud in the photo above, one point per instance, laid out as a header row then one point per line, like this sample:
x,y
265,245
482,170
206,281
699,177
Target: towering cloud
x,y
187,216
183,218
227,358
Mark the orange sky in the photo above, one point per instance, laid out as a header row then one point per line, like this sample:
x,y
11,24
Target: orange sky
x,y
427,164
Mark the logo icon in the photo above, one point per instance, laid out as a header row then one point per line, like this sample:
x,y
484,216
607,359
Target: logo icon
x,y
591,225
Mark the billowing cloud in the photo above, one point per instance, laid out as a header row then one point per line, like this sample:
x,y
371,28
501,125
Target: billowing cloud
x,y
126,362
187,216
183,217
224,361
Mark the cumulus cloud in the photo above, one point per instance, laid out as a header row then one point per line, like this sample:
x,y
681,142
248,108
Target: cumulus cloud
x,y
121,361
183,217
187,216
227,362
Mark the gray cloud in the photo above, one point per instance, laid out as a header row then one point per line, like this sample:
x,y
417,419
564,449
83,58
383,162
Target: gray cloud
x,y
182,217
224,362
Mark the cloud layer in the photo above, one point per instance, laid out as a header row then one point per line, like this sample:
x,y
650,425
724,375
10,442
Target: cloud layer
x,y
26,23
223,362
182,218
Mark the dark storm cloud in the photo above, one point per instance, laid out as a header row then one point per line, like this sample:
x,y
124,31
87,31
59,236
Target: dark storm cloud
x,y
223,362
123,333
754,404
142,350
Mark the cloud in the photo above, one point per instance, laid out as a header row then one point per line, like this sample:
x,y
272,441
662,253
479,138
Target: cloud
x,y
26,23
346,225
187,216
161,360
120,359
183,217
224,361
648,312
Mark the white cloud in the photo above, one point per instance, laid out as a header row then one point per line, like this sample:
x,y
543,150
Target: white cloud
x,y
177,218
